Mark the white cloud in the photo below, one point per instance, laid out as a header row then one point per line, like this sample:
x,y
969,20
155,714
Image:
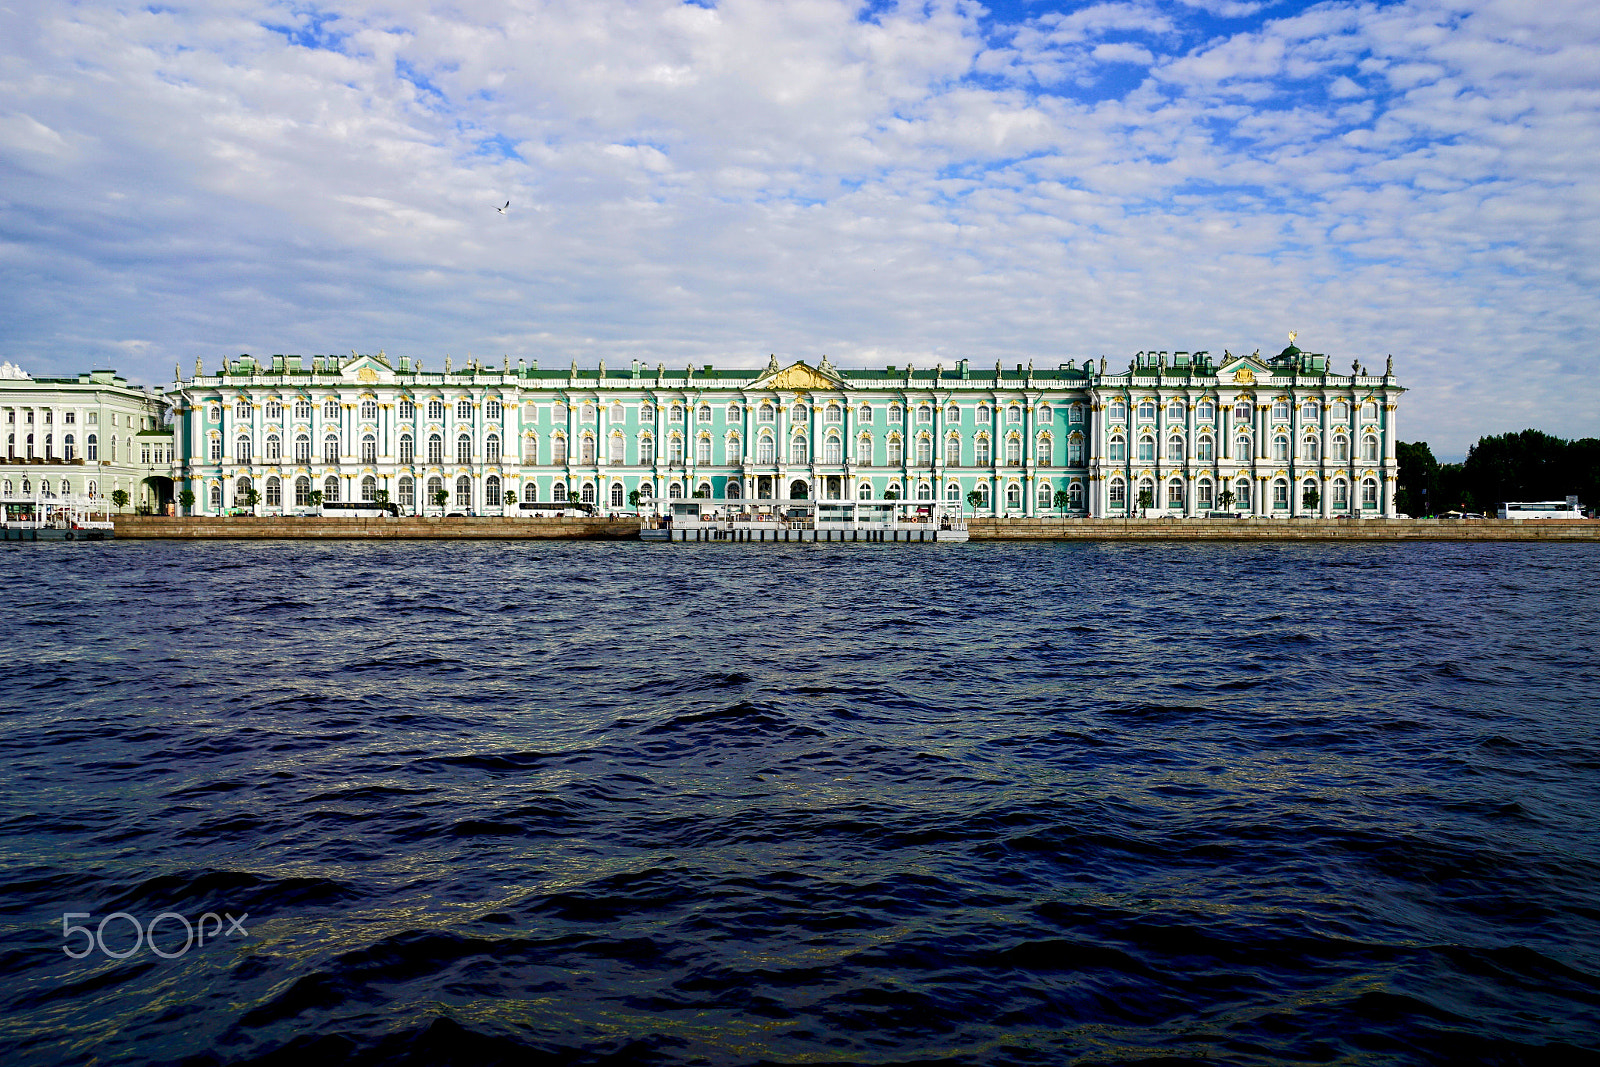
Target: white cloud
x,y
703,184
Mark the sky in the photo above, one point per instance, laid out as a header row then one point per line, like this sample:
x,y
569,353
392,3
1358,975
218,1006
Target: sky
x,y
880,182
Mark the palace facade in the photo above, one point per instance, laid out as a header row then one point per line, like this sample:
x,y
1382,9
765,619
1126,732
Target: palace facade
x,y
1282,436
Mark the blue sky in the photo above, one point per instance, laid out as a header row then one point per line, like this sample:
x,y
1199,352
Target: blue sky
x,y
883,183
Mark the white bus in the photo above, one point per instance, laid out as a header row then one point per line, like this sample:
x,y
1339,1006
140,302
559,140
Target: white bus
x,y
358,509
1544,509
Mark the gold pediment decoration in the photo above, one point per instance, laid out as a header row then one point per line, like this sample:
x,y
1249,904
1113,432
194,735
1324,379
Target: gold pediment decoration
x,y
367,374
799,377
1244,376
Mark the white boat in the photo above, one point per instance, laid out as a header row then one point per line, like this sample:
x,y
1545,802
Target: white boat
x,y
53,518
804,520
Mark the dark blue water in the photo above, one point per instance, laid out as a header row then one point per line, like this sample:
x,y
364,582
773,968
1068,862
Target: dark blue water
x,y
955,804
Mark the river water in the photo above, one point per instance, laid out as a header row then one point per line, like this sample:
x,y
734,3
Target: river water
x,y
993,803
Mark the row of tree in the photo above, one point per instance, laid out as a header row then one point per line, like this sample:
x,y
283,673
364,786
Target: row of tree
x,y
1514,466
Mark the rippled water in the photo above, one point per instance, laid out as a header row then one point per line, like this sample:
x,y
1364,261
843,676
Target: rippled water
x,y
956,804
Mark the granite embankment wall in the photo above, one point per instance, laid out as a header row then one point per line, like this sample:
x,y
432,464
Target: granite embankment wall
x,y
492,528
485,528
1172,529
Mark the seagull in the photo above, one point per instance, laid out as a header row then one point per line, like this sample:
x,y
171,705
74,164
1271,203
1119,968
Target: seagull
x,y
502,210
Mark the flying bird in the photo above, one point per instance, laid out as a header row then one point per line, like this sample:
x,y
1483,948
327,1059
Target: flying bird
x,y
502,210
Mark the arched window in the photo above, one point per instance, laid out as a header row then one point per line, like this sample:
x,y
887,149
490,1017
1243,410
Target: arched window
x,y
215,495
647,413
369,449
463,414
1013,450
558,450
1241,493
1175,493
369,488
765,413
407,493
1308,449
733,412
330,449
733,491
435,487
647,450
586,449
1013,495
530,450
619,449
302,492
330,409
530,493
408,448
1369,411
924,491
1175,449
369,410
1341,494
241,491
1075,449
1280,447
492,496
1241,411
833,414
982,415
702,448
982,489
302,407
491,448
1369,494
330,490
1341,449
1307,487
674,491
797,414
1241,448
1044,453
864,450
924,413
799,450
864,491
1147,411
896,449
952,415
1206,449
616,494
864,413
1046,499
704,414
1280,411
463,448
1075,496
952,450
1205,411
1042,416
765,449
492,409
274,448
302,448
1117,450
675,413
1202,495
1280,494
435,448
924,451
274,497
1014,415
1118,494
463,492
735,448
1369,449
559,493
982,454
832,449
241,450
894,414
1147,449
675,449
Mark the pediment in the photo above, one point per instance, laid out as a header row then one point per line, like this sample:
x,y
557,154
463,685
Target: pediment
x,y
799,376
1243,370
368,370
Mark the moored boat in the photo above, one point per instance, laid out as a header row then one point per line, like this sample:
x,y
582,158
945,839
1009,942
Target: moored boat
x,y
52,518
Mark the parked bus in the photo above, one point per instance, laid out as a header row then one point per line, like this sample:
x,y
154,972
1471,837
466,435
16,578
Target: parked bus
x,y
358,509
555,509
1545,509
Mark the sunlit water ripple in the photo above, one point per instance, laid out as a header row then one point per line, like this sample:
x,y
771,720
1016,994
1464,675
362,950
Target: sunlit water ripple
x,y
957,804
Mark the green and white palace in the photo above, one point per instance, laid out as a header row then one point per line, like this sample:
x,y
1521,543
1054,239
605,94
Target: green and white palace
x,y
1173,434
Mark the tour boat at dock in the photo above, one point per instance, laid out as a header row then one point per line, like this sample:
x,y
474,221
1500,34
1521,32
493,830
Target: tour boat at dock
x,y
804,520
53,518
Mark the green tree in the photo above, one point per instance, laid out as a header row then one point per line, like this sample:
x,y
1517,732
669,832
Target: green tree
x,y
702,494
975,498
1225,499
1310,498
1418,494
441,497
891,495
511,499
1063,498
316,498
381,496
1147,498
186,499
250,498
634,496
119,497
